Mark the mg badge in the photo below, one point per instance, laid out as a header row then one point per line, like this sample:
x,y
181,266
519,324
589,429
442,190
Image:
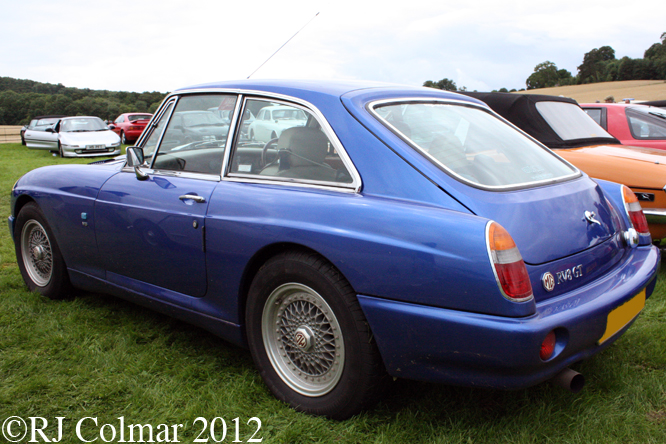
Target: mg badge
x,y
548,281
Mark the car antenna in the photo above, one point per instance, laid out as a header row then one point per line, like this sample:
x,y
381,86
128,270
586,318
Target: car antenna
x,y
283,45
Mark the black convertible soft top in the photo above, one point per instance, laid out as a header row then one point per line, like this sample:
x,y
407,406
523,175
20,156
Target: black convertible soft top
x,y
659,103
520,109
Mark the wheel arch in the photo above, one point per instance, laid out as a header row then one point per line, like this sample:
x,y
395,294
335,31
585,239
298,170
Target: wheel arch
x,y
259,259
21,201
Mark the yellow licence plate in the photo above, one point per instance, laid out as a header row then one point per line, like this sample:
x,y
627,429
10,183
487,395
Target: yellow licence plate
x,y
622,315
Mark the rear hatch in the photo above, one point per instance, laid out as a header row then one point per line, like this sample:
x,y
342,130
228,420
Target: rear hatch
x,y
558,216
548,223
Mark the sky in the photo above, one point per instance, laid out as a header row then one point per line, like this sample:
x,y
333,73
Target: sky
x,y
151,45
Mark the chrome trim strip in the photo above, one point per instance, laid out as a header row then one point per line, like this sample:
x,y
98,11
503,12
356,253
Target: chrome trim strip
x,y
231,134
281,181
401,100
179,174
156,117
655,215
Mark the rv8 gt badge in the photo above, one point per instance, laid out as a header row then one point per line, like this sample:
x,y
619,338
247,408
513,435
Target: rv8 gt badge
x,y
548,280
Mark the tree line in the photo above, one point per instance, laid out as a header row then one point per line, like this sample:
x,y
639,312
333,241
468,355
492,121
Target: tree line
x,y
599,65
21,100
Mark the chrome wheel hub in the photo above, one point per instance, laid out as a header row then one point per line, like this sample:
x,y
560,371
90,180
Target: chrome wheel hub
x,y
37,253
302,339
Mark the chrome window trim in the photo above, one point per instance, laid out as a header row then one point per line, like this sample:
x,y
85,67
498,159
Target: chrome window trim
x,y
524,185
247,94
282,181
171,173
243,95
156,117
231,135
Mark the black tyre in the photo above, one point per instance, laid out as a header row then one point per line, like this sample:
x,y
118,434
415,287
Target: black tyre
x,y
60,153
38,255
123,139
309,338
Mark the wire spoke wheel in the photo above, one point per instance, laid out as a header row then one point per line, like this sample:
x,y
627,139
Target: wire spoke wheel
x,y
37,253
302,339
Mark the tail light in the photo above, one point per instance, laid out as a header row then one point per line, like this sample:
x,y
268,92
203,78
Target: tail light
x,y
508,264
634,211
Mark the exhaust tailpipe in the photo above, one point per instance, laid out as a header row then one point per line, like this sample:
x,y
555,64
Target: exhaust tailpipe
x,y
570,380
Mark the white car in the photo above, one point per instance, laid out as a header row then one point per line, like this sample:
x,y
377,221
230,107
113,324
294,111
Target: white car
x,y
76,137
272,120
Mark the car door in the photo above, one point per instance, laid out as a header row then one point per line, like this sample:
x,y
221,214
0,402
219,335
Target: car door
x,y
43,137
153,231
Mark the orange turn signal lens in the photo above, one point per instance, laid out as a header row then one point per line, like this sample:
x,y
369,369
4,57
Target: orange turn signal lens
x,y
510,270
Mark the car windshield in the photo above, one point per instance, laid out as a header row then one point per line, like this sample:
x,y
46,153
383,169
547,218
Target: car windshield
x,y
569,121
82,124
473,145
135,117
49,121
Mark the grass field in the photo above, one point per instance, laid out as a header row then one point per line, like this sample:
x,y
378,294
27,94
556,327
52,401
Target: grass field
x,y
97,356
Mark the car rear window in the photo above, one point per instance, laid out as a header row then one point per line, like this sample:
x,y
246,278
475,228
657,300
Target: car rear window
x,y
570,122
472,144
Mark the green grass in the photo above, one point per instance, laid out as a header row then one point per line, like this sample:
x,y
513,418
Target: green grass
x,y
97,356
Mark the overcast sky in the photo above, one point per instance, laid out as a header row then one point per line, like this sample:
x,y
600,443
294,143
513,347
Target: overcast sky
x,y
151,45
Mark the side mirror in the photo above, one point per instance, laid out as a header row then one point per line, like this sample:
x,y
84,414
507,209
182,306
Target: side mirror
x,y
135,159
111,126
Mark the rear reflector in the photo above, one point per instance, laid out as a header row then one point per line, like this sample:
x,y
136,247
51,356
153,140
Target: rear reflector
x,y
508,264
548,346
634,211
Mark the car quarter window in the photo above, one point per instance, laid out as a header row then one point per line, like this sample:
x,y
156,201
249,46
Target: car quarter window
x,y
196,135
286,142
595,114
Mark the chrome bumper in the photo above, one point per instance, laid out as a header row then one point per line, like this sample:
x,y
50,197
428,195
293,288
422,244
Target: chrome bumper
x,y
655,215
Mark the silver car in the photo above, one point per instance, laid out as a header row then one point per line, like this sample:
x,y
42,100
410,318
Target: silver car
x,y
76,137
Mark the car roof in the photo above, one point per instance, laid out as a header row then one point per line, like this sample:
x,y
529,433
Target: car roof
x,y
316,90
521,110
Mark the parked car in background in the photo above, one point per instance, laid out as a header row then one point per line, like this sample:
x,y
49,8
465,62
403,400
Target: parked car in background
x,y
658,103
560,124
397,232
81,136
39,123
197,125
272,120
636,125
129,126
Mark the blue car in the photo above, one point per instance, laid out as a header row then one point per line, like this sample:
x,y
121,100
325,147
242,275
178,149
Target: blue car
x,y
396,232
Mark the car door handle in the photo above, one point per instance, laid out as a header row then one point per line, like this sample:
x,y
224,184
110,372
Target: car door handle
x,y
193,197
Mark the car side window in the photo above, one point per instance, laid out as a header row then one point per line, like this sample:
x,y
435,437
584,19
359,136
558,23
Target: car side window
x,y
196,135
643,126
290,145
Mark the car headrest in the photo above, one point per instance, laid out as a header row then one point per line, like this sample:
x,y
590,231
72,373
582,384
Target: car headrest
x,y
305,143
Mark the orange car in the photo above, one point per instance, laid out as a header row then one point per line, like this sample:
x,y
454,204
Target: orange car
x,y
561,124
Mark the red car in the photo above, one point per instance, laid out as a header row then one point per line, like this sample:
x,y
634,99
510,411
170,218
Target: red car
x,y
636,125
129,126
